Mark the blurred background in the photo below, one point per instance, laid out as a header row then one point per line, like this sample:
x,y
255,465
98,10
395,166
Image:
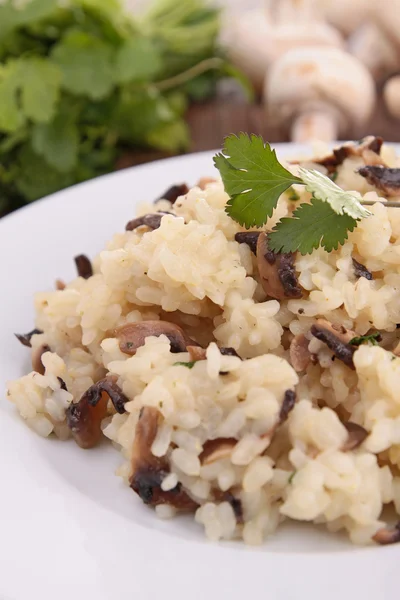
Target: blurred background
x,y
90,86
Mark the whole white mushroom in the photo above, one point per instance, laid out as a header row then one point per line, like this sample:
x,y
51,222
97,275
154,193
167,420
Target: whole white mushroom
x,y
319,93
391,96
347,15
256,38
370,44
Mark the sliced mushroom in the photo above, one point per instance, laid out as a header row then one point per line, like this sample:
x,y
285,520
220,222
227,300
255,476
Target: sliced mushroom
x,y
385,536
384,179
368,148
62,384
250,238
83,266
133,335
218,449
205,181
337,338
361,271
289,400
229,352
37,364
84,417
149,471
60,285
300,356
152,221
25,338
357,435
277,272
196,353
174,192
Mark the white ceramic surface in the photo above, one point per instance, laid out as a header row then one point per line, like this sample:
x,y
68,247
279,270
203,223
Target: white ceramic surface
x,y
69,529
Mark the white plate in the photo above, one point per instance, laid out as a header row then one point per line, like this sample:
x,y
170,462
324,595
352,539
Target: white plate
x,y
68,527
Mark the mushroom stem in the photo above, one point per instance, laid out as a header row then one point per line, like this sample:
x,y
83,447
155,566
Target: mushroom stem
x,y
319,125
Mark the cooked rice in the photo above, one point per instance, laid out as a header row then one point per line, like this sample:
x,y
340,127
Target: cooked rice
x,y
192,272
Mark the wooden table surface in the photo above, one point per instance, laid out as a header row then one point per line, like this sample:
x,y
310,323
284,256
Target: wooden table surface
x,y
211,122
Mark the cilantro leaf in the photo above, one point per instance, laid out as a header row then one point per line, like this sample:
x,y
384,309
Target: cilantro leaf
x,y
373,339
138,58
29,89
310,226
57,142
253,178
325,189
170,137
86,64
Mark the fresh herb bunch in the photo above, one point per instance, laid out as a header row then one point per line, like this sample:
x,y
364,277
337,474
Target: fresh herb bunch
x,y
254,180
80,81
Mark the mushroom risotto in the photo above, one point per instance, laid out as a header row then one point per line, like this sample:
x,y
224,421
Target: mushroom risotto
x,y
243,385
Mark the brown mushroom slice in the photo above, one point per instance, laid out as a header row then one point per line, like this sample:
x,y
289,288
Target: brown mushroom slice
x,y
133,335
299,354
60,285
203,182
289,400
83,266
383,179
37,354
174,192
357,434
337,338
277,272
368,148
248,237
25,338
84,417
361,271
218,449
149,471
385,536
151,220
196,353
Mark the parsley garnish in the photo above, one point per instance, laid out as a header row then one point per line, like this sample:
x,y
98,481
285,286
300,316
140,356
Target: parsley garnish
x,y
254,180
373,339
291,476
189,365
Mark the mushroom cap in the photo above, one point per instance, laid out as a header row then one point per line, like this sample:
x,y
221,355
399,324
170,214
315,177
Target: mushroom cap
x,y
391,95
305,79
374,49
345,15
387,15
254,43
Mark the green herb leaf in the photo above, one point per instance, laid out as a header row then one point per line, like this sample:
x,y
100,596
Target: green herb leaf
x,y
29,89
292,476
137,59
325,189
373,339
37,178
57,142
310,226
189,365
86,64
170,137
253,178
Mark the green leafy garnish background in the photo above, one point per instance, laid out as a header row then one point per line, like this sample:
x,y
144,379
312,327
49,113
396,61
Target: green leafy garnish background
x,y
81,83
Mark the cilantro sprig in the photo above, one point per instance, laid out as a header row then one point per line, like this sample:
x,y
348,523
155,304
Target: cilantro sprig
x,y
83,83
254,179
